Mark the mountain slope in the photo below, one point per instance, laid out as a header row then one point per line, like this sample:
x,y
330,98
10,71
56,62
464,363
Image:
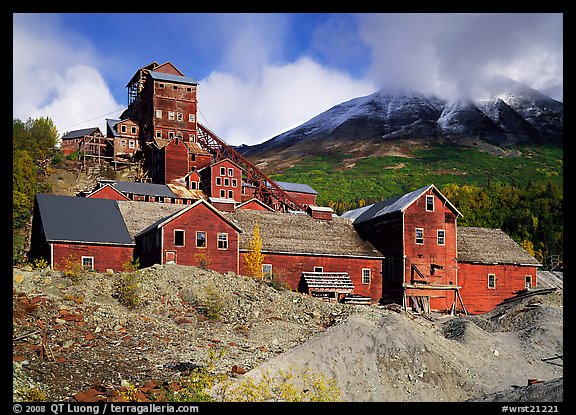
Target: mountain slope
x,y
509,113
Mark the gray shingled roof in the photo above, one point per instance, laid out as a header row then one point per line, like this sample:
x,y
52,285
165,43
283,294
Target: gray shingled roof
x,y
149,189
490,246
161,76
140,215
394,204
79,133
301,234
78,219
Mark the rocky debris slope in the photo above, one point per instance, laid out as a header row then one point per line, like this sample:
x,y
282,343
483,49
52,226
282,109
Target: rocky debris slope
x,y
69,338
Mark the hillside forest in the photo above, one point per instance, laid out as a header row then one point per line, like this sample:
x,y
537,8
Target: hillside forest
x,y
530,211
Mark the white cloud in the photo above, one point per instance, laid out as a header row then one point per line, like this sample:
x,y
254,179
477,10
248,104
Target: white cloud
x,y
248,112
55,76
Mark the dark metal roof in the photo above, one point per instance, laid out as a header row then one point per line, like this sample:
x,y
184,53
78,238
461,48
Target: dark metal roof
x,y
112,125
296,187
150,189
161,76
392,205
79,219
80,133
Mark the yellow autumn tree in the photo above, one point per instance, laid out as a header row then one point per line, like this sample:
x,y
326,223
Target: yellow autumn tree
x,y
254,258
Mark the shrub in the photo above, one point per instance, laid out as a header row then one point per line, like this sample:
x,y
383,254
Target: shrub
x,y
127,289
203,260
72,268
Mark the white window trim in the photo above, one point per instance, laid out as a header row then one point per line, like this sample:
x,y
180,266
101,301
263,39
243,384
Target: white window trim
x,y
429,197
91,258
191,118
224,240
369,276
183,237
205,240
158,113
316,268
158,133
179,116
443,237
267,274
230,172
416,236
488,282
170,115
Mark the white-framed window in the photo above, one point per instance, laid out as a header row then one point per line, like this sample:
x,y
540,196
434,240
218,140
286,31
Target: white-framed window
x,y
191,118
226,182
230,172
175,87
131,143
192,138
222,193
222,241
492,281
318,269
366,275
158,133
170,115
88,262
441,236
161,86
170,134
230,194
122,143
267,271
179,116
133,130
123,128
188,89
179,235
234,183
158,113
200,239
222,171
528,281
218,181
419,236
429,203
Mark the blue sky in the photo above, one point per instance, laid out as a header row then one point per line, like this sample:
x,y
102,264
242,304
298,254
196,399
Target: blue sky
x,y
262,74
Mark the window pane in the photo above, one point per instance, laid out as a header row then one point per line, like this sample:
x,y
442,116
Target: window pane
x,y
179,237
201,239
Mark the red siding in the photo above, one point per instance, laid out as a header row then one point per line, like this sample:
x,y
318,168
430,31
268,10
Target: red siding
x,y
254,205
289,268
176,157
473,278
226,180
105,256
201,218
430,252
107,192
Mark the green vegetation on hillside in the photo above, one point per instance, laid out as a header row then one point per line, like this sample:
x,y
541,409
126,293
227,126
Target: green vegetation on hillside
x,y
522,195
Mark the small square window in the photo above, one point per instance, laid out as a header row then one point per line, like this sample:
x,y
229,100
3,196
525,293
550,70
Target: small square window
x,y
222,193
201,239
170,134
123,143
234,183
161,86
226,182
87,262
528,281
158,134
188,89
131,144
133,130
222,171
123,128
318,269
158,113
218,181
175,87
192,138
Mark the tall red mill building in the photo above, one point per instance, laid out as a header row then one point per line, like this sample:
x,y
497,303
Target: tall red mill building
x,y
207,198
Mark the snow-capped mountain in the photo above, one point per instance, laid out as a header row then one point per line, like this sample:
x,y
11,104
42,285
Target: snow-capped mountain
x,y
510,112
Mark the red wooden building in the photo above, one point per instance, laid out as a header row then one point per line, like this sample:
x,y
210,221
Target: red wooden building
x,y
491,268
74,140
123,135
68,230
431,264
196,235
324,258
